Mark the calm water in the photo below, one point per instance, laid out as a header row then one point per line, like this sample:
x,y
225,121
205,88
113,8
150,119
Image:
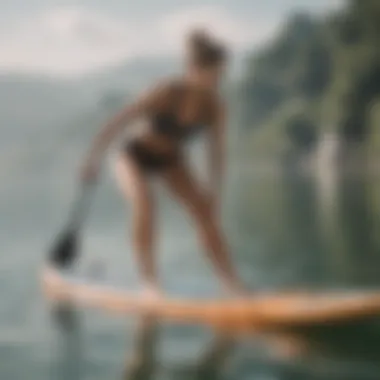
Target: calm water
x,y
285,232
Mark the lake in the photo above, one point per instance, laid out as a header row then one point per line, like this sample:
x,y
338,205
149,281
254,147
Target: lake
x,y
285,232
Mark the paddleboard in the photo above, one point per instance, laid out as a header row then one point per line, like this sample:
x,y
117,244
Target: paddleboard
x,y
262,310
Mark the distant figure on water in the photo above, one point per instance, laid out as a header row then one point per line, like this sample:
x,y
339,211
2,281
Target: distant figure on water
x,y
176,110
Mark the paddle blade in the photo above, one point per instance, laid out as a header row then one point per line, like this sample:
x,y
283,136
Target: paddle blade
x,y
65,250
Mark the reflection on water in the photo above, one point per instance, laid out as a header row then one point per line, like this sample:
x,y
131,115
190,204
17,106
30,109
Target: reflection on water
x,y
306,235
70,364
329,352
287,232
144,363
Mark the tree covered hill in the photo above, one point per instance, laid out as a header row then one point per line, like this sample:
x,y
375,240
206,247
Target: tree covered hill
x,y
317,75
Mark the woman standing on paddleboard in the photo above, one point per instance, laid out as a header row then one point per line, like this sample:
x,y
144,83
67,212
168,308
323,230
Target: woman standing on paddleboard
x,y
175,111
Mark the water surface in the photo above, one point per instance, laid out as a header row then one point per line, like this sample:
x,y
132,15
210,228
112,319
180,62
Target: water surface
x,y
284,231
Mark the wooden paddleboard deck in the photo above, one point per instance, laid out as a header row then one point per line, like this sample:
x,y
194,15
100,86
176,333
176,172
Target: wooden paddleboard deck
x,y
291,309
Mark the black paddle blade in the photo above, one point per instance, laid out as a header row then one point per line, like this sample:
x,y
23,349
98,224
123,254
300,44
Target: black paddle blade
x,y
65,250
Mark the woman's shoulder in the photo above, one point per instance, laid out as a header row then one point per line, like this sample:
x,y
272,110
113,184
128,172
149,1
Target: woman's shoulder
x,y
168,84
161,92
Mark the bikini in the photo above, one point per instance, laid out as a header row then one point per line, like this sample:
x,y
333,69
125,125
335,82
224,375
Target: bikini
x,y
164,123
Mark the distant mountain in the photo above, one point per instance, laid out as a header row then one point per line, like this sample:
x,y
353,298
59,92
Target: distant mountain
x,y
46,122
30,103
135,74
129,76
39,113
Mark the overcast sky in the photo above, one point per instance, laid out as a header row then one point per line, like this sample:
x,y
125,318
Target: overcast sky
x,y
72,37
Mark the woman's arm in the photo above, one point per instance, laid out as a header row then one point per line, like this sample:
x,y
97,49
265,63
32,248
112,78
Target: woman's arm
x,y
217,153
110,130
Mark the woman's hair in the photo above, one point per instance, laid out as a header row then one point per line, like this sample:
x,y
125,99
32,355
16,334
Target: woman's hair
x,y
204,51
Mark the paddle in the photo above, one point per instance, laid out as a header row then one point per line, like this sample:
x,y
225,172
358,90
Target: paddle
x,y
65,249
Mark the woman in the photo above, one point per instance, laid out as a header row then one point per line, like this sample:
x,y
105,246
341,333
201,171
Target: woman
x,y
175,111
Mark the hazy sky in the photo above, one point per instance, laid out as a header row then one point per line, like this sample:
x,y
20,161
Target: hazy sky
x,y
71,37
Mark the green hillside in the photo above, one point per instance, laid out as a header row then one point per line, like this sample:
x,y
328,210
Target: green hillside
x,y
316,75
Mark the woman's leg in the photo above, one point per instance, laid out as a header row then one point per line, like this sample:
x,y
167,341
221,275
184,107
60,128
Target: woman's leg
x,y
184,187
135,188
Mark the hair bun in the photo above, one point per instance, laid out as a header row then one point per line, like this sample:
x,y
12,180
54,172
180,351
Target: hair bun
x,y
199,39
203,49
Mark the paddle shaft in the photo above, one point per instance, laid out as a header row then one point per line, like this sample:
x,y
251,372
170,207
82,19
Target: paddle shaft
x,y
80,208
